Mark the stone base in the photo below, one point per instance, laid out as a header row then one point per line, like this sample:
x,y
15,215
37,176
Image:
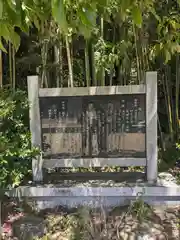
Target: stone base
x,y
101,193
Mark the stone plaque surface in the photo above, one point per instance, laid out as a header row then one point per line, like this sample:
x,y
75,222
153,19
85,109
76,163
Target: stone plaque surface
x,y
105,126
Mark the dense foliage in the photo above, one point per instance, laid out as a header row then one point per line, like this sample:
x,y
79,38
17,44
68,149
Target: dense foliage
x,y
15,144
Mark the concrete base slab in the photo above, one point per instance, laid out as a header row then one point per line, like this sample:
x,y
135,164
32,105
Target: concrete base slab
x,y
100,202
101,193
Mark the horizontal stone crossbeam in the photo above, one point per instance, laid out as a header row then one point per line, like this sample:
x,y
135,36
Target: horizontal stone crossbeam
x,y
48,191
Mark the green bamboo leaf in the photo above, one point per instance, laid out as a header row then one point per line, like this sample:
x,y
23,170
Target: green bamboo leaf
x,y
137,16
86,32
15,40
36,22
153,11
167,55
11,4
59,14
2,47
91,16
84,18
5,31
88,19
13,17
25,24
8,33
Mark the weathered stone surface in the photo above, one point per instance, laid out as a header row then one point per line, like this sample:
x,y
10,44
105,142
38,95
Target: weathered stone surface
x,y
162,237
29,227
132,236
123,235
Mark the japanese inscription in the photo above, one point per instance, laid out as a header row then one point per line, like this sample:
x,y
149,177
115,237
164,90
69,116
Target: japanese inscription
x,y
105,126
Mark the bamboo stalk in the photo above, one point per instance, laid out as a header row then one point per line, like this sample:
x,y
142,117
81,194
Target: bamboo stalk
x,y
177,120
102,27
61,61
112,70
56,59
102,73
1,70
71,82
147,59
111,78
72,60
44,54
168,105
93,70
13,67
121,74
161,135
94,79
140,49
87,68
10,64
137,57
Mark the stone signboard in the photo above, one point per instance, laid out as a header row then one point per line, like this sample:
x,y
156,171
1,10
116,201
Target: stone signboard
x,y
95,126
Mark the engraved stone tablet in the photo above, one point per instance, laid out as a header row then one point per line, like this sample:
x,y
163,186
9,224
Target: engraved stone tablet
x,y
105,126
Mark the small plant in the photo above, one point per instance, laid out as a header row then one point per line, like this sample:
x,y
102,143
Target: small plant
x,y
15,144
141,209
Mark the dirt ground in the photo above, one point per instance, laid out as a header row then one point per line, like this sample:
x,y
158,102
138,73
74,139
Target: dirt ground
x,y
21,222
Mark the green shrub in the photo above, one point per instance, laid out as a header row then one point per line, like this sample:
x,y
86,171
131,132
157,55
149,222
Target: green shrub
x,y
169,158
15,143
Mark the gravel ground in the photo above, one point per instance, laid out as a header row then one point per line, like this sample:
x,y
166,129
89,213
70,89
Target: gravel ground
x,y
124,223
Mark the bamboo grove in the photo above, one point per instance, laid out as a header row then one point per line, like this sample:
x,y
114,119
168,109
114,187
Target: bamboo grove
x,y
95,42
